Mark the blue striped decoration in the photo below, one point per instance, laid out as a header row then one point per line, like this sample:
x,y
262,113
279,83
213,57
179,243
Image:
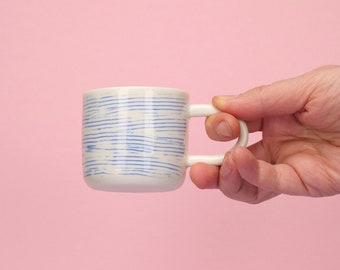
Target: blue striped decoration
x,y
134,136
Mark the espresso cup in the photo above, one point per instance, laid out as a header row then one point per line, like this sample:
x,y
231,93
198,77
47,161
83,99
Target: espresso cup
x,y
135,138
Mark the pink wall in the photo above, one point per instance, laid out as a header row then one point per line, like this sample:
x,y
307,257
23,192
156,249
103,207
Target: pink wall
x,y
52,51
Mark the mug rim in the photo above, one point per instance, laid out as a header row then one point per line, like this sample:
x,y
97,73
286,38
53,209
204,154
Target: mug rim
x,y
135,87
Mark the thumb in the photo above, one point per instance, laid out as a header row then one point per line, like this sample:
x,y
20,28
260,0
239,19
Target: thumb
x,y
280,98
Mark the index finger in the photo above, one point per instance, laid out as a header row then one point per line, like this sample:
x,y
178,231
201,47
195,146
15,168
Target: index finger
x,y
280,98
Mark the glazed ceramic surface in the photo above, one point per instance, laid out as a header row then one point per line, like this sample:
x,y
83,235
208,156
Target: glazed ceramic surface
x,y
135,138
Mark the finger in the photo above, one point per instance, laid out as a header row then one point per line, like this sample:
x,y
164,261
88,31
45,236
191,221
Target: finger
x,y
204,176
232,185
279,178
222,127
235,187
228,179
280,98
225,127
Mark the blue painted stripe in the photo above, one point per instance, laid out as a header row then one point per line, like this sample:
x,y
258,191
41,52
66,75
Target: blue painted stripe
x,y
139,147
123,128
91,112
152,172
148,120
137,162
111,121
116,123
155,110
121,98
106,99
143,166
155,106
136,174
142,159
87,174
135,137
132,141
136,101
140,105
158,138
136,147
126,129
123,132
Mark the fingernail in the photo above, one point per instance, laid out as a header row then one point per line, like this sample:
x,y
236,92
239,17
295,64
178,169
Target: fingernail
x,y
223,129
225,172
223,98
226,168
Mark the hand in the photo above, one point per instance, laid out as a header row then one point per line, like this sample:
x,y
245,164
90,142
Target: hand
x,y
299,153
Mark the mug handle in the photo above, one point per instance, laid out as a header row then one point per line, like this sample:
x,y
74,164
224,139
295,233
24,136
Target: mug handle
x,y
203,110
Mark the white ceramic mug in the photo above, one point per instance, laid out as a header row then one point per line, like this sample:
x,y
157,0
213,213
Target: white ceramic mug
x,y
135,138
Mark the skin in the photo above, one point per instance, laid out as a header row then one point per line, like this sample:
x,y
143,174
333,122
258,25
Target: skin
x,y
299,153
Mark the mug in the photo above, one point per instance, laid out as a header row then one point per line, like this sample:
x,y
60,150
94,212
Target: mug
x,y
135,138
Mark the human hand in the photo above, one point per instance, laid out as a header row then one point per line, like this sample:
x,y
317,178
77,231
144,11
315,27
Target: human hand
x,y
299,153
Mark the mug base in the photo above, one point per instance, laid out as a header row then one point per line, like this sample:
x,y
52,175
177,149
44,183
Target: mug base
x,y
132,184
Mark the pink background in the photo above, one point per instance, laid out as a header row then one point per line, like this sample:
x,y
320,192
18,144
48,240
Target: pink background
x,y
53,51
